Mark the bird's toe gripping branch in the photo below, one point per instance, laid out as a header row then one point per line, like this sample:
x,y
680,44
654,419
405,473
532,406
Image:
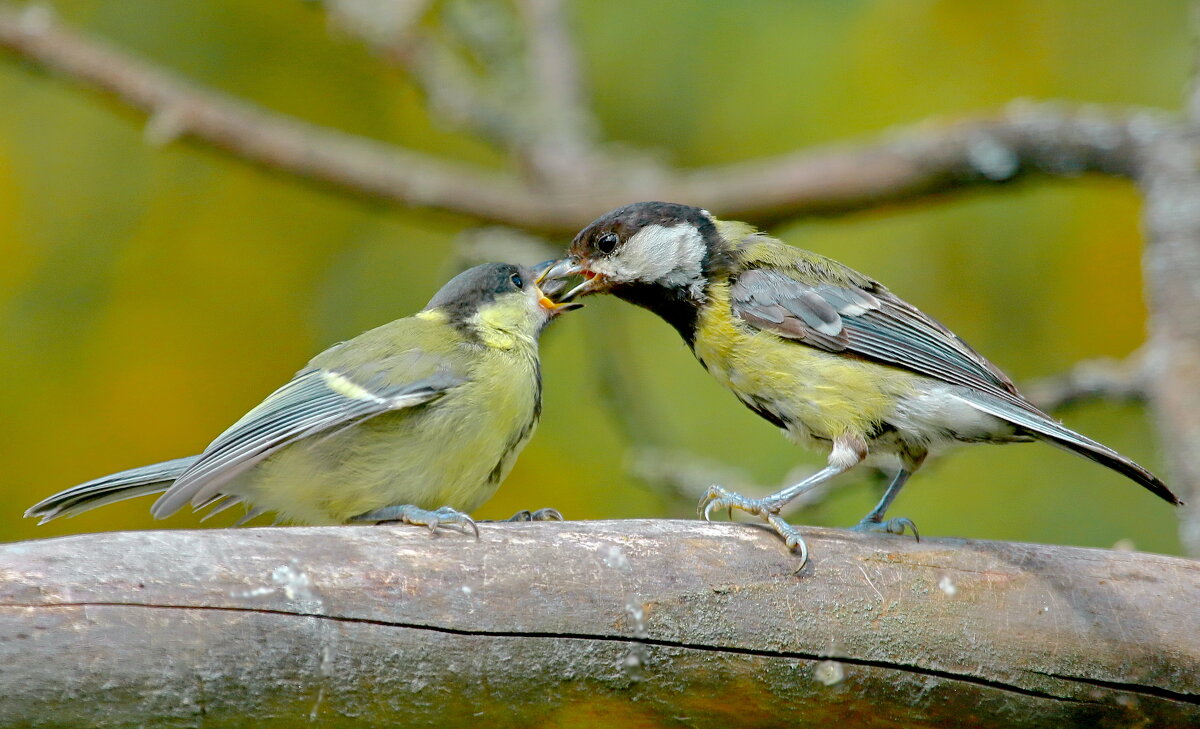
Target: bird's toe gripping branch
x,y
546,514
718,497
891,526
410,514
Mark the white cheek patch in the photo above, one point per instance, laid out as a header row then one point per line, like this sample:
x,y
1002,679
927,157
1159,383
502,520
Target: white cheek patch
x,y
670,256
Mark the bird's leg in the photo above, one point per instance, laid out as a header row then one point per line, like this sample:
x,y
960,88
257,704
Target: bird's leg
x,y
873,521
847,453
410,514
527,515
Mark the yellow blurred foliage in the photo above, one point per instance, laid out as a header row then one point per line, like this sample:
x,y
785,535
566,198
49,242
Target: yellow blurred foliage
x,y
151,294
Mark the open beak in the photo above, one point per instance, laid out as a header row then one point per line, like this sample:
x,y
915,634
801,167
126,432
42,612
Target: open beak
x,y
571,267
554,308
547,290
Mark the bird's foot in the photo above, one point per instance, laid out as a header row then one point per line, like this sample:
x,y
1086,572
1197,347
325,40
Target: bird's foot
x,y
539,515
718,497
410,514
527,515
891,526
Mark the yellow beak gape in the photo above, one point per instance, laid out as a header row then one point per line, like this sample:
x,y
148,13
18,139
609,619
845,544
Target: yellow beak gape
x,y
555,272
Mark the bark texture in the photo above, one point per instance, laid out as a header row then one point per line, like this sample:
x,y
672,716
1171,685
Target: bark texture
x,y
631,623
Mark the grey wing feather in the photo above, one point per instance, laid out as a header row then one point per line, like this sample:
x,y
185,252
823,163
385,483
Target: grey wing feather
x,y
110,489
878,325
873,324
937,338
315,401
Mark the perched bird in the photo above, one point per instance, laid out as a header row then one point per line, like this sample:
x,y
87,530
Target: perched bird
x,y
416,421
825,353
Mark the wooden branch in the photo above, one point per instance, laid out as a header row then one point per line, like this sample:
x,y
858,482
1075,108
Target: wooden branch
x,y
631,623
1027,139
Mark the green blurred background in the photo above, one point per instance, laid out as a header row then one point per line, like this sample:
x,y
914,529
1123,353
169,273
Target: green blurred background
x,y
151,295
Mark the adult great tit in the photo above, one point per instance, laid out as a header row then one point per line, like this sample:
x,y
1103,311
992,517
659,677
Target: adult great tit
x,y
827,354
416,421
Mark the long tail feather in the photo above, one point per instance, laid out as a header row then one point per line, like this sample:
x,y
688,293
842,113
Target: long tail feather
x,y
1043,427
110,489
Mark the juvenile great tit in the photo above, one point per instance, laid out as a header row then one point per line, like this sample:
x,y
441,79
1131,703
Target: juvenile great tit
x,y
825,353
417,421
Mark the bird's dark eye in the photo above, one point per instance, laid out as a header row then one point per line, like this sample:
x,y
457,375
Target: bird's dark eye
x,y
606,243
517,280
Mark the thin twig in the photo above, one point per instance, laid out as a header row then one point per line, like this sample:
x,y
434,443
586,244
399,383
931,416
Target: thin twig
x,y
379,23
1029,139
507,75
1092,379
563,150
484,95
178,108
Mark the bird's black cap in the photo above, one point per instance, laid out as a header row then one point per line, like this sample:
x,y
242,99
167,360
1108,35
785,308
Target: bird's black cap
x,y
628,220
475,287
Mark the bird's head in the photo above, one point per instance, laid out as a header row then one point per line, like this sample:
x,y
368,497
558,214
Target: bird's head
x,y
497,297
648,244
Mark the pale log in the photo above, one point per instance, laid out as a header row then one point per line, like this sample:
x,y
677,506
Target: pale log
x,y
577,624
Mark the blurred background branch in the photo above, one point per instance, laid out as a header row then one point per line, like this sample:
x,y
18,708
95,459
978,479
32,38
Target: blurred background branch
x,y
510,75
1092,379
1170,183
936,156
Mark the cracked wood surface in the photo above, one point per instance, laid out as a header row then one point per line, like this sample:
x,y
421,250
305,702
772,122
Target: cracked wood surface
x,y
629,623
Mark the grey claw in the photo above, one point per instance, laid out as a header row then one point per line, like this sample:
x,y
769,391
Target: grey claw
x,y
411,514
791,538
457,518
891,526
526,515
715,498
899,524
718,497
